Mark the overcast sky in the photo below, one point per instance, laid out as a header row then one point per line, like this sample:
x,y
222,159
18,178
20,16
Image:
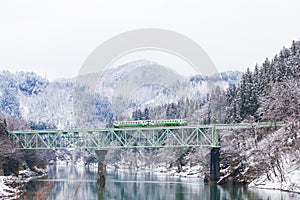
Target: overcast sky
x,y
54,38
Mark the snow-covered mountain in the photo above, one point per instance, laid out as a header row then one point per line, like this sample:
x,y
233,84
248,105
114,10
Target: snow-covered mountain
x,y
157,78
143,83
67,103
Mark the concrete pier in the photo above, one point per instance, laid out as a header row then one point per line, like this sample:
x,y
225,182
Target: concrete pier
x,y
214,175
101,167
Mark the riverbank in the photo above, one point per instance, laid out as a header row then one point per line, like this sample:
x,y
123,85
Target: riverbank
x,y
12,187
290,182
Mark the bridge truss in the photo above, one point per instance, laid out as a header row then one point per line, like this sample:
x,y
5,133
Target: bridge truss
x,y
150,137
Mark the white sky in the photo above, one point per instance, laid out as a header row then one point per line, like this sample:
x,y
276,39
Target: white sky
x,y
54,38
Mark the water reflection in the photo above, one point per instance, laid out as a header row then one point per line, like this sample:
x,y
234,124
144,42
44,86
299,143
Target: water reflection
x,y
65,182
80,183
150,186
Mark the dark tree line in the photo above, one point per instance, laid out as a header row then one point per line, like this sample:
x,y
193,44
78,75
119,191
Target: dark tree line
x,y
138,114
180,110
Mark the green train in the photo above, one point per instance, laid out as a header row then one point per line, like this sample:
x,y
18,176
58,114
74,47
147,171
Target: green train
x,y
146,123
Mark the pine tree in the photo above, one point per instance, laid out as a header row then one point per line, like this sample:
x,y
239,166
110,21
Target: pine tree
x,y
217,106
139,114
146,115
134,115
231,104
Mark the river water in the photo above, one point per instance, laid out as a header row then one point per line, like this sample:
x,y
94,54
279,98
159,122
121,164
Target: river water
x,y
79,183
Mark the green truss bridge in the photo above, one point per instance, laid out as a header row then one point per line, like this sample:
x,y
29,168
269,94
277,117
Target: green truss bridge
x,y
150,137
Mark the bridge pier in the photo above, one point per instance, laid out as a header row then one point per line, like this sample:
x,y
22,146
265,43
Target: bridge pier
x,y
101,153
214,175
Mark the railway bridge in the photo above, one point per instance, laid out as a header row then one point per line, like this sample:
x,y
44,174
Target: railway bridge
x,y
141,137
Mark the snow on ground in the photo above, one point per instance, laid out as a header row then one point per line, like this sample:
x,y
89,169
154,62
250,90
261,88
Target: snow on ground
x,y
10,186
7,192
290,181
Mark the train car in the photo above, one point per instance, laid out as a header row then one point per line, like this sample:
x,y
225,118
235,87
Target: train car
x,y
146,123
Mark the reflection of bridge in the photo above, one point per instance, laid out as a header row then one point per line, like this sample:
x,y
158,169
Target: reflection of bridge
x,y
150,137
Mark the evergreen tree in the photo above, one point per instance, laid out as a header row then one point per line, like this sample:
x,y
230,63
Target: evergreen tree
x,y
134,115
232,114
146,114
217,106
139,114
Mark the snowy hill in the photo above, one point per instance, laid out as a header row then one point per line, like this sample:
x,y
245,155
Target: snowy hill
x,y
143,83
264,158
283,156
118,92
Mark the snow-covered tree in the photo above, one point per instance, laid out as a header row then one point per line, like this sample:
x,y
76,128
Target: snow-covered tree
x,y
9,102
253,97
282,101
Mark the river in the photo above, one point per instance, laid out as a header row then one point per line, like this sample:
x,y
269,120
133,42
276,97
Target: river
x,y
79,183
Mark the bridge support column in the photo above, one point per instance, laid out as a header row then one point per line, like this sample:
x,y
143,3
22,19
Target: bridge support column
x,y
101,167
214,165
